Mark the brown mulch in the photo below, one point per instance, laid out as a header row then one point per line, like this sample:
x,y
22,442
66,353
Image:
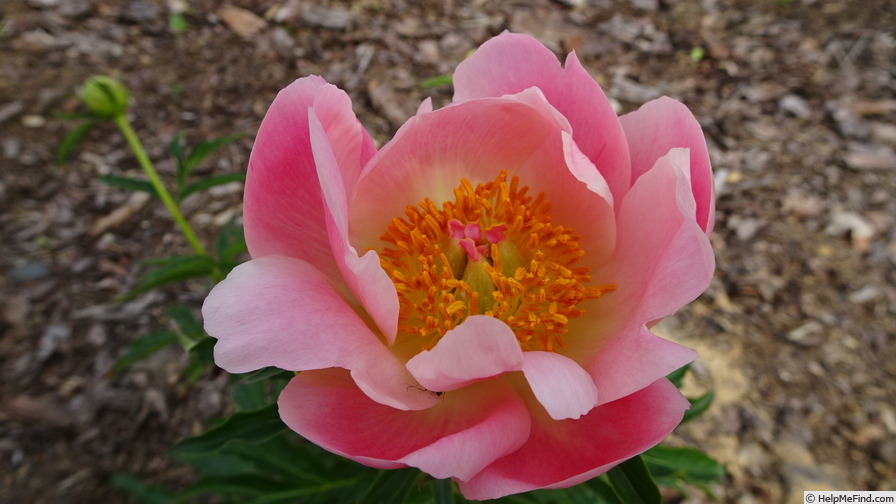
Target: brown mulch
x,y
797,99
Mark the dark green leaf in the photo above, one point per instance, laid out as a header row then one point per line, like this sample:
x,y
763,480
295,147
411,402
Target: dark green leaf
x,y
442,491
141,491
201,359
174,269
251,426
189,330
143,347
633,484
203,149
678,375
698,406
211,181
437,81
73,140
230,244
669,464
176,151
131,184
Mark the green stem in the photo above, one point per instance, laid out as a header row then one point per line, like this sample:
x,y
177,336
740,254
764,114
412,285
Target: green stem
x,y
443,492
125,126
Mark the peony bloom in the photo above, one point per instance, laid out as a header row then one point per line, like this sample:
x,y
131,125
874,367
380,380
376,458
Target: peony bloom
x,y
474,299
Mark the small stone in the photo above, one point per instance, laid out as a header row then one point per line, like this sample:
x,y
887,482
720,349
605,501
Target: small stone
x,y
322,17
795,105
33,121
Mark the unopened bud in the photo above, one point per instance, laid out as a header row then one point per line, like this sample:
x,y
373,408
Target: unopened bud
x,y
105,96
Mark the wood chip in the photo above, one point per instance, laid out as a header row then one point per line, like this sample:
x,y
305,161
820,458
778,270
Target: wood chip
x,y
133,205
242,22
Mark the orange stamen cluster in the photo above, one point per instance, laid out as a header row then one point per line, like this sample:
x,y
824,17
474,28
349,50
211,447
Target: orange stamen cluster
x,y
530,276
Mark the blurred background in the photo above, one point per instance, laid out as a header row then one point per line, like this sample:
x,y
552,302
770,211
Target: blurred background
x,y
796,97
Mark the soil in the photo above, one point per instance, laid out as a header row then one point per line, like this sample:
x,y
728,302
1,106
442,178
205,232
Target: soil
x,y
797,99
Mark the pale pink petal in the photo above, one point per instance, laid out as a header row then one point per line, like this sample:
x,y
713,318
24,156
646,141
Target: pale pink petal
x,y
364,275
569,452
279,311
510,63
476,140
283,213
663,259
633,359
465,432
478,348
560,384
664,124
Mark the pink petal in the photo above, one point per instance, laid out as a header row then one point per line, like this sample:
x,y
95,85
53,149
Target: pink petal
x,y
478,348
476,140
559,454
279,311
283,213
632,360
560,384
465,432
664,124
510,63
364,275
663,259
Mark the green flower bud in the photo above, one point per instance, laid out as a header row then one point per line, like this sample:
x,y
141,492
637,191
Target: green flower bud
x,y
105,96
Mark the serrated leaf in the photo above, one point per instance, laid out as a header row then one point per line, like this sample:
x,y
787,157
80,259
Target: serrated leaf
x,y
203,149
684,464
211,181
437,81
131,184
633,483
677,376
71,141
174,269
141,491
698,406
254,426
143,347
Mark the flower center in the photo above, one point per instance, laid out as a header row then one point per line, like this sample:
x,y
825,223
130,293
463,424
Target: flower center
x,y
492,251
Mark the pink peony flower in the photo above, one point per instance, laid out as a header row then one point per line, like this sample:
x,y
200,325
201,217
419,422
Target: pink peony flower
x,y
474,299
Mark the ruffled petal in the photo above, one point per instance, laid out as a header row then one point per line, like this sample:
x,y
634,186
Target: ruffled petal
x,y
476,140
364,275
560,384
510,63
279,311
664,124
663,261
283,213
633,359
572,451
478,348
468,430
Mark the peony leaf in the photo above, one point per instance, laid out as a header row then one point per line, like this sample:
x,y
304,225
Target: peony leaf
x,y
131,184
211,181
671,465
73,140
633,483
143,347
698,406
